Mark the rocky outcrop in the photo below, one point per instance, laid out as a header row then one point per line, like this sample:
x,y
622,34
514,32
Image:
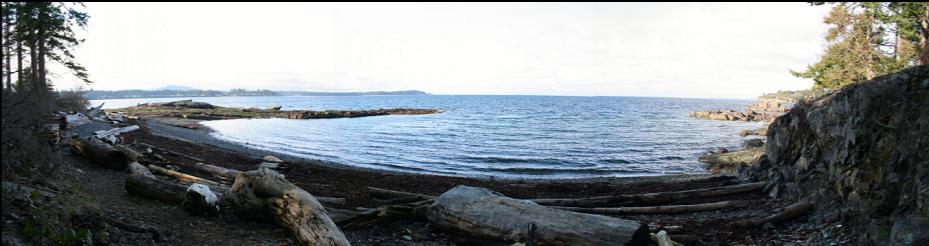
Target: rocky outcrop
x,y
770,105
732,115
308,114
763,109
861,154
730,162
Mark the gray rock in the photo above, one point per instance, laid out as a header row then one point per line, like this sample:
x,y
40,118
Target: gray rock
x,y
910,231
272,158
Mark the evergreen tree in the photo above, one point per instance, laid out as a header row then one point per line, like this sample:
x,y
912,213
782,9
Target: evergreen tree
x,y
869,39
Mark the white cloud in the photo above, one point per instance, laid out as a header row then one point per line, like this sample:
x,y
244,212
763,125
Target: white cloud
x,y
667,49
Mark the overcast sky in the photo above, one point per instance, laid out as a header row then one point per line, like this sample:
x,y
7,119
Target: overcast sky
x,y
719,50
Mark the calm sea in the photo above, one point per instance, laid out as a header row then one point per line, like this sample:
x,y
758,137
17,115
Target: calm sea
x,y
501,136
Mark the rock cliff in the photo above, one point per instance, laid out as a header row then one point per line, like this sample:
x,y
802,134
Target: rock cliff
x,y
861,154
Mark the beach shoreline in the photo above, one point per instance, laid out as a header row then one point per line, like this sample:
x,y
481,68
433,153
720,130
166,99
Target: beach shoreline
x,y
168,127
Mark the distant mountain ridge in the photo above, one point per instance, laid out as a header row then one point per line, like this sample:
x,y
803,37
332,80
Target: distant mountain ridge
x,y
174,88
185,91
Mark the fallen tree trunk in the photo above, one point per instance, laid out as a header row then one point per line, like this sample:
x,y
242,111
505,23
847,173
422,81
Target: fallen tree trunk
x,y
217,171
184,178
101,153
790,212
130,153
153,188
264,191
138,169
650,198
483,213
670,209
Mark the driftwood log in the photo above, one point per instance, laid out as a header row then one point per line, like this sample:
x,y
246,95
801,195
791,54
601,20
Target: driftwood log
x,y
790,212
182,177
266,191
651,198
130,153
668,209
483,213
101,153
217,171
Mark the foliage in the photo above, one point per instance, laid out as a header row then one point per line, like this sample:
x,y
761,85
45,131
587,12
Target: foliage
x,y
72,101
869,39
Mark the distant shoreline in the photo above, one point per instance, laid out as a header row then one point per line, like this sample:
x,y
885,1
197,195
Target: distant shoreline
x,y
166,93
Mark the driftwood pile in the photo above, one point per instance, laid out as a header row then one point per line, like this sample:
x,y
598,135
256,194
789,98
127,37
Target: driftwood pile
x,y
470,211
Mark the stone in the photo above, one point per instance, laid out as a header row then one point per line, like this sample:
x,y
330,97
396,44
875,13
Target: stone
x,y
272,158
910,231
754,143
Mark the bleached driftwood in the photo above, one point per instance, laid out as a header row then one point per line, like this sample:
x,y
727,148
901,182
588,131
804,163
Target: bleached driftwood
x,y
182,177
112,135
651,198
138,169
668,209
100,153
200,200
221,172
486,214
264,191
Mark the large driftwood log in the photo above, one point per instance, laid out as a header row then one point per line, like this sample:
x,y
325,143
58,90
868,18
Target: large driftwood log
x,y
651,198
130,153
266,191
486,214
217,171
171,152
182,177
157,189
101,153
138,169
669,209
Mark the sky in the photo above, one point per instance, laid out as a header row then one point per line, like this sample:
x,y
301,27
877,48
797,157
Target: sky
x,y
695,50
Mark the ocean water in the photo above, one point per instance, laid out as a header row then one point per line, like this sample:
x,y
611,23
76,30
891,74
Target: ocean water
x,y
500,136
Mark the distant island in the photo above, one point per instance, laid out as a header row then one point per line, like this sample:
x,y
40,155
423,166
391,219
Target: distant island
x,y
184,91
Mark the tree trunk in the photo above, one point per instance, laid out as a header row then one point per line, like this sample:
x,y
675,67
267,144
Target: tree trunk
x,y
486,214
923,37
651,198
182,177
669,209
140,185
19,63
265,191
8,68
221,172
790,212
101,153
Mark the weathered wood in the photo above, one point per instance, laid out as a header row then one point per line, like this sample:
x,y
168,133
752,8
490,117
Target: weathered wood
x,y
331,201
130,153
266,191
651,198
483,213
138,169
380,192
217,171
112,135
669,209
101,153
157,189
790,212
200,200
382,214
182,177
